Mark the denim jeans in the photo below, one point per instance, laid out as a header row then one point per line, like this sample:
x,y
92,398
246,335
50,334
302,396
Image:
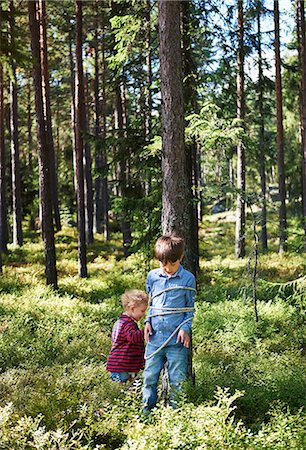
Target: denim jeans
x,y
177,357
121,377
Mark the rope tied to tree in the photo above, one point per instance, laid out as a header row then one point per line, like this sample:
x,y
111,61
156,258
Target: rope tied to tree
x,y
166,311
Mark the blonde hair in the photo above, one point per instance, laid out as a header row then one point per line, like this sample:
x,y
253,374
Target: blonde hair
x,y
134,297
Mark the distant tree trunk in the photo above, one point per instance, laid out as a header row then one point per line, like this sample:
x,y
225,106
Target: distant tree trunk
x,y
262,169
176,198
240,209
302,59
30,148
280,136
47,112
98,156
191,106
79,123
148,84
72,114
3,206
120,118
101,186
87,168
43,156
16,179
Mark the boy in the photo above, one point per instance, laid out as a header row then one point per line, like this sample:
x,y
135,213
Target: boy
x,y
167,330
126,357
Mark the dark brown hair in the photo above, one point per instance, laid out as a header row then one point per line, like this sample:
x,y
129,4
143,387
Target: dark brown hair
x,y
169,248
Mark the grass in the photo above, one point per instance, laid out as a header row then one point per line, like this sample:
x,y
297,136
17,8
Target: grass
x,y
250,383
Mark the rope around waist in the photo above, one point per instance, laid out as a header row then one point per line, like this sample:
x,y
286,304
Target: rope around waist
x,y
166,311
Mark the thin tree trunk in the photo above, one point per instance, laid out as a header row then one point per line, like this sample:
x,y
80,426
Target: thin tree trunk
x,y
43,156
3,206
16,180
87,168
98,157
30,149
302,59
176,197
262,169
240,209
79,152
280,136
47,112
120,121
72,113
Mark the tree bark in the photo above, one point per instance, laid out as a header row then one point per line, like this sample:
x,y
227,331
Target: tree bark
x,y
43,156
176,198
262,168
3,204
79,151
240,209
16,180
280,135
87,168
120,121
302,60
47,112
191,106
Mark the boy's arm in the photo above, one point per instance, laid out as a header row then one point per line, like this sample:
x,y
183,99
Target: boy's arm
x,y
133,334
190,297
148,291
148,327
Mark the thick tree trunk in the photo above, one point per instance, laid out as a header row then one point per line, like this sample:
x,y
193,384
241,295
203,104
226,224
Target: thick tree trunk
x,y
43,156
79,152
240,209
16,180
191,106
47,112
280,135
3,205
262,168
176,198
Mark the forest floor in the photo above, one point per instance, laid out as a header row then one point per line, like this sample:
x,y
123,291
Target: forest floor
x,y
250,377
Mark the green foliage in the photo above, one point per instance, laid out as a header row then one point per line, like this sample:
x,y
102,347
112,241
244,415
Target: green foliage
x,y
53,348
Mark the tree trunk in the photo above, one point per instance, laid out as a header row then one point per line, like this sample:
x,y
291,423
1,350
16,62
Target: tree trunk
x,y
176,198
79,152
30,149
73,120
280,135
47,112
191,106
43,156
302,60
120,120
262,168
87,169
16,180
3,206
240,209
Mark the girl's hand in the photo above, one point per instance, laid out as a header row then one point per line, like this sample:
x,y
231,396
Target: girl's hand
x,y
184,338
147,332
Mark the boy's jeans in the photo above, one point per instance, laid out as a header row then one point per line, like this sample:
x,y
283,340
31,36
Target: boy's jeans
x,y
177,358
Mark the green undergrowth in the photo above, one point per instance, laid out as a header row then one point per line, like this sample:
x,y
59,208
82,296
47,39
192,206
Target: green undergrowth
x,y
250,377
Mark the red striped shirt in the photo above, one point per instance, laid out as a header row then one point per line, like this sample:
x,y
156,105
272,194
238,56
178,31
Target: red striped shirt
x,y
127,352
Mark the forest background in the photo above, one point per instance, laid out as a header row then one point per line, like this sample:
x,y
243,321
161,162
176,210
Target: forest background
x,y
152,117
